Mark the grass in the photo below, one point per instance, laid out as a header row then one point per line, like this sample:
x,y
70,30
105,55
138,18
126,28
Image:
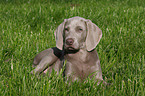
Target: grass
x,y
27,26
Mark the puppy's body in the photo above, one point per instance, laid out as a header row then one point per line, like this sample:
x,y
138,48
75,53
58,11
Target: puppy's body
x,y
76,38
83,64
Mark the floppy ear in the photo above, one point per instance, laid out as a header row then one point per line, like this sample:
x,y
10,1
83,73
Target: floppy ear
x,y
59,35
94,35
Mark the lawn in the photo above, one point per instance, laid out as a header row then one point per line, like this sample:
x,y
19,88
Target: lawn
x,y
27,27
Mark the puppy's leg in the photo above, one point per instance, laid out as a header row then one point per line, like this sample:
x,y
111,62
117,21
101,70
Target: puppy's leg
x,y
45,59
44,63
42,54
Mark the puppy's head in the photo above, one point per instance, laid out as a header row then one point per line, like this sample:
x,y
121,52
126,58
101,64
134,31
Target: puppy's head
x,y
76,33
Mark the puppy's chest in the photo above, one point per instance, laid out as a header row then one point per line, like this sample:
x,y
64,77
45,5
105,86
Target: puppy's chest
x,y
82,66
80,60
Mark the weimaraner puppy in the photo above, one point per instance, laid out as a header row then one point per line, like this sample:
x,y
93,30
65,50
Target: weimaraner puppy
x,y
76,39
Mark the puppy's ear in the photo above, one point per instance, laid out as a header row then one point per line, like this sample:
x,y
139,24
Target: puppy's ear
x,y
59,35
94,35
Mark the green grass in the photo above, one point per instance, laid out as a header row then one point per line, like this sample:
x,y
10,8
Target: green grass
x,y
27,26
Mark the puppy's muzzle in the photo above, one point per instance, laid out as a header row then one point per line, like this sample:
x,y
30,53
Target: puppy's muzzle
x,y
69,41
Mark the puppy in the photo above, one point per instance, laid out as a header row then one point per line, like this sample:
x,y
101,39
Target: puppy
x,y
76,39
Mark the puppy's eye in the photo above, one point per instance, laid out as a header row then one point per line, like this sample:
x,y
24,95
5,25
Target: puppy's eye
x,y
80,29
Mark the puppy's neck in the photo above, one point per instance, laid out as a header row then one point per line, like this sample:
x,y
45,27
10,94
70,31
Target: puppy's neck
x,y
82,55
70,51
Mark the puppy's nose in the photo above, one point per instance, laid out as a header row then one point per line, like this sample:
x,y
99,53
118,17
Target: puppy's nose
x,y
69,41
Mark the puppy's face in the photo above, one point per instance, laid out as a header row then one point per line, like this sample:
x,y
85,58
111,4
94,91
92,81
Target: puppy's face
x,y
74,34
